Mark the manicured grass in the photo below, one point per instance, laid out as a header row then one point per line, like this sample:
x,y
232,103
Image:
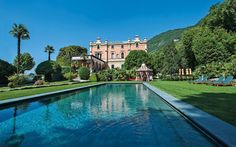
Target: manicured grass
x,y
218,101
28,92
47,83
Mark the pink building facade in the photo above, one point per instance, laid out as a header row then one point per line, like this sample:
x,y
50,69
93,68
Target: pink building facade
x,y
114,53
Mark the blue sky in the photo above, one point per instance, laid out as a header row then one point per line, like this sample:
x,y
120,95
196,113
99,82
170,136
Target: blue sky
x,y
76,22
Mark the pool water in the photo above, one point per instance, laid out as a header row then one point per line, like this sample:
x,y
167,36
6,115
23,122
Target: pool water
x,y
106,115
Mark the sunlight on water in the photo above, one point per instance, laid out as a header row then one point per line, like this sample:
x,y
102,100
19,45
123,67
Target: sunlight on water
x,y
108,115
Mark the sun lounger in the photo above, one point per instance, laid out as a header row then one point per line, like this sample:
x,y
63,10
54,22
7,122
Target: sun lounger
x,y
227,82
202,80
219,81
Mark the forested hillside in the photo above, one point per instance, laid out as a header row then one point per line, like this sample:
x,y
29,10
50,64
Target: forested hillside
x,y
163,39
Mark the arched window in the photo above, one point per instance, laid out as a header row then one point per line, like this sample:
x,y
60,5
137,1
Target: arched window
x,y
122,46
122,55
112,55
98,46
136,45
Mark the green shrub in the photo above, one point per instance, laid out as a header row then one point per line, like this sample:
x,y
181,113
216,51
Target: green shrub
x,y
93,78
84,73
65,69
17,80
120,75
105,75
6,70
50,69
101,76
116,75
131,73
11,85
214,69
69,75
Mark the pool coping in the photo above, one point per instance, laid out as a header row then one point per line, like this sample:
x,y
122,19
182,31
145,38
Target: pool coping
x,y
220,130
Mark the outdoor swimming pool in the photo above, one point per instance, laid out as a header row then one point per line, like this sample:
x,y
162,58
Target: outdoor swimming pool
x,y
106,115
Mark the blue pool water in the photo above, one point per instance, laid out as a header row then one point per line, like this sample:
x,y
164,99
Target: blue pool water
x,y
107,115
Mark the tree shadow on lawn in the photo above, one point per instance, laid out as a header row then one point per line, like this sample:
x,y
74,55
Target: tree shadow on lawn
x,y
222,105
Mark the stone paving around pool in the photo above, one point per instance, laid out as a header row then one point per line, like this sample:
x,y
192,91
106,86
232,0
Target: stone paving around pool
x,y
219,129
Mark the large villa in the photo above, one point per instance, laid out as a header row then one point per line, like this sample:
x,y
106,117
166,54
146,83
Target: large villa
x,y
110,54
114,53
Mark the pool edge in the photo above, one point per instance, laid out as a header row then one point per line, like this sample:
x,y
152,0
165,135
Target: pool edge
x,y
218,129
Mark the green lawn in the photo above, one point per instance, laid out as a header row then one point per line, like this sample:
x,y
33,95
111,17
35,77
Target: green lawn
x,y
218,101
47,83
27,92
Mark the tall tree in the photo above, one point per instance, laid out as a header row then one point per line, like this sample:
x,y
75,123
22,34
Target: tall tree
x,y
136,58
188,59
19,32
211,45
171,60
221,15
65,54
6,70
49,49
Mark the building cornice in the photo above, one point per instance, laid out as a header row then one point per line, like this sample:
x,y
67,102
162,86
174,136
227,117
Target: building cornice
x,y
136,40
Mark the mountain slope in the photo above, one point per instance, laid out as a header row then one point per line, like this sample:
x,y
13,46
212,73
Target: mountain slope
x,y
164,39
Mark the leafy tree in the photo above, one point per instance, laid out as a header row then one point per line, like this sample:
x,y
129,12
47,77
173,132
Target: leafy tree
x,y
157,60
26,60
136,58
171,60
19,32
187,56
6,70
65,54
49,49
231,65
221,15
50,69
209,46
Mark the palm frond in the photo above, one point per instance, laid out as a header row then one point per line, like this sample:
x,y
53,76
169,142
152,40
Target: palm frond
x,y
20,31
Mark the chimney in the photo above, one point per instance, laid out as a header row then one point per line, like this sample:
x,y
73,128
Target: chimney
x,y
98,40
129,40
136,38
145,39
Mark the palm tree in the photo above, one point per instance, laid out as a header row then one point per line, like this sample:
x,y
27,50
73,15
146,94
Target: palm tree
x,y
49,49
19,32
